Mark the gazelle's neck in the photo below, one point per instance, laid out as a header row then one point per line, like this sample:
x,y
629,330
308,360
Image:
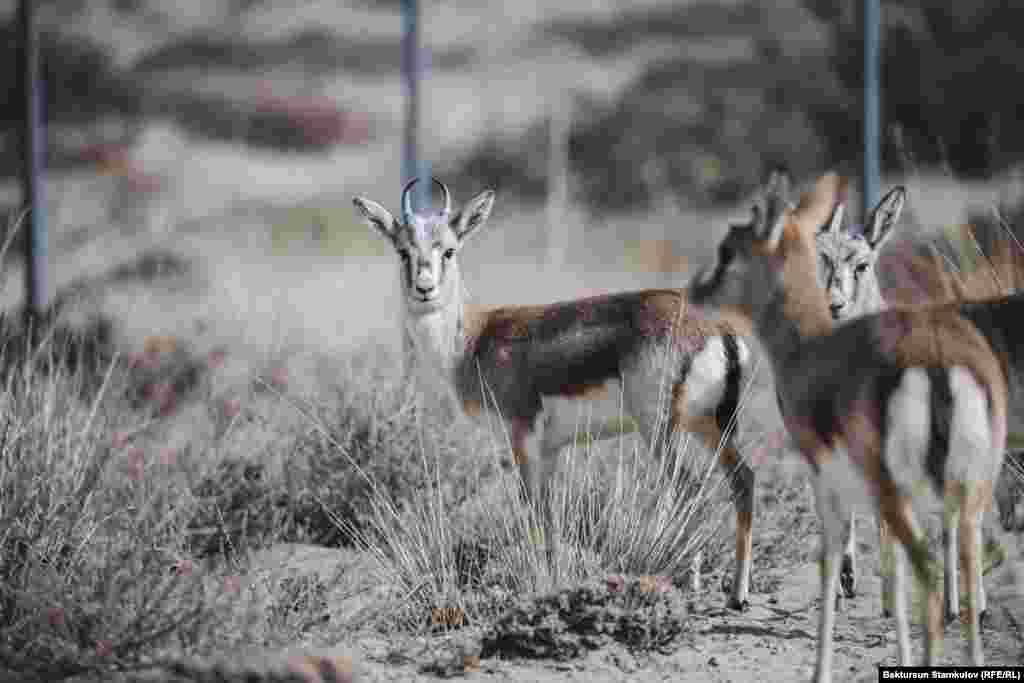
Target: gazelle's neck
x,y
437,336
796,309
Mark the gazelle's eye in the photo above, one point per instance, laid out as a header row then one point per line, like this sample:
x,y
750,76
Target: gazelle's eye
x,y
861,269
449,254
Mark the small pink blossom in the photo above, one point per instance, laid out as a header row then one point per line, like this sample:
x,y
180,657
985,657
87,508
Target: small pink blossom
x,y
104,648
216,358
504,354
615,583
120,439
279,377
136,459
183,567
55,615
231,407
232,584
163,395
145,360
168,457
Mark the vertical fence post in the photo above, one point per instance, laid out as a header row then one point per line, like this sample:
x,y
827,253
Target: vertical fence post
x,y
413,165
870,180
33,155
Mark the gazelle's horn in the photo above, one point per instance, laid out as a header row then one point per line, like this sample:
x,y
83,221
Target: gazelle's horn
x,y
407,202
446,194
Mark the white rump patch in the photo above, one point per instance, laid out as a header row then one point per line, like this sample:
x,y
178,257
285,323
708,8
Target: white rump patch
x,y
909,430
705,383
970,439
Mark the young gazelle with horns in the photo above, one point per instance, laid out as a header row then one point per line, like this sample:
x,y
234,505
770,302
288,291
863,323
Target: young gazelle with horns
x,y
532,366
896,399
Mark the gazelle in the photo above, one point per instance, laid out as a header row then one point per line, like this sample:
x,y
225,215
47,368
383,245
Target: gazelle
x,y
531,366
900,398
847,258
966,262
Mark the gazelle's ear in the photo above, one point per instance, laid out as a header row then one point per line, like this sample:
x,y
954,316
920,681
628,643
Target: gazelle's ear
x,y
473,215
377,217
835,224
885,216
768,223
817,206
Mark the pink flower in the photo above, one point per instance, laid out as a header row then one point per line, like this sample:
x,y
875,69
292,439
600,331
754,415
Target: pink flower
x,y
662,584
615,583
183,567
55,615
504,354
231,407
120,439
216,358
168,457
136,467
279,377
163,395
104,648
232,584
146,360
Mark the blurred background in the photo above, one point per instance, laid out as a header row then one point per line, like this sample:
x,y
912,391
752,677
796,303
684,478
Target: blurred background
x,y
630,127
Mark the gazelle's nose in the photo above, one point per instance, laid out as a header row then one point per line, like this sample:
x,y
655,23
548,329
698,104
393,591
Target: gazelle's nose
x,y
836,309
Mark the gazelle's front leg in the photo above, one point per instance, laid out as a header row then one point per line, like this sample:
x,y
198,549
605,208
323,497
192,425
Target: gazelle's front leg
x,y
536,462
831,551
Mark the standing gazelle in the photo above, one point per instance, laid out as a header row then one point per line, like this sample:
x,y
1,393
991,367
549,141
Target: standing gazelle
x,y
964,263
529,365
900,398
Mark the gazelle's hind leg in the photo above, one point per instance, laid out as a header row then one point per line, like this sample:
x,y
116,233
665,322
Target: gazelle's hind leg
x,y
951,514
904,461
897,511
974,461
741,479
848,570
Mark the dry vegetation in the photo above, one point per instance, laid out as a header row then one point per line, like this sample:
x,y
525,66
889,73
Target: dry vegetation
x,y
209,463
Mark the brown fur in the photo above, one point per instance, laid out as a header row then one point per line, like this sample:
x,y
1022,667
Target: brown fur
x,y
997,271
936,336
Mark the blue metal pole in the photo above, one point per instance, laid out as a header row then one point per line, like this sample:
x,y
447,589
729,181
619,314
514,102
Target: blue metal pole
x,y
33,161
413,165
872,135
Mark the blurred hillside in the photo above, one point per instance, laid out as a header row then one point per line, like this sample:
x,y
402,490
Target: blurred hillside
x,y
689,100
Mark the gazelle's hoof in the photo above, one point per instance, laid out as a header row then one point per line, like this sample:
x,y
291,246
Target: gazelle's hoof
x,y
848,577
983,617
738,605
